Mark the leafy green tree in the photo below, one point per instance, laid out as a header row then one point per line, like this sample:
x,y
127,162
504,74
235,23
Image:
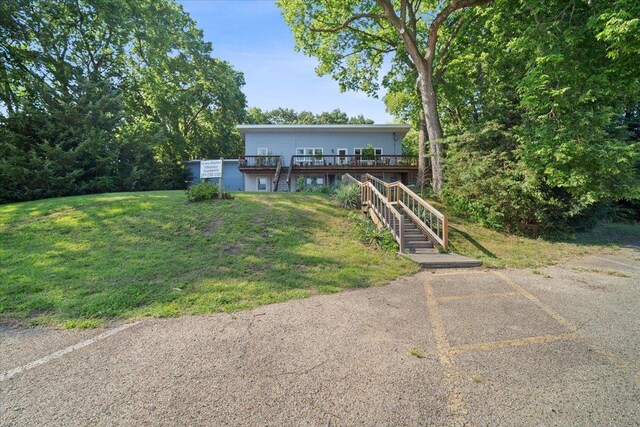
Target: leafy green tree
x,y
104,95
288,116
351,38
559,90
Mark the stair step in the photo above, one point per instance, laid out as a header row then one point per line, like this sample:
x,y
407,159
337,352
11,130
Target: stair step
x,y
418,245
418,251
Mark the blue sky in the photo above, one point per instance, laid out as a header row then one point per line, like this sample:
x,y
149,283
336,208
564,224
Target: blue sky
x,y
254,38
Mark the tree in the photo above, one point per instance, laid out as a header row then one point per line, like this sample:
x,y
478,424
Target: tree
x,y
288,116
538,105
351,39
105,95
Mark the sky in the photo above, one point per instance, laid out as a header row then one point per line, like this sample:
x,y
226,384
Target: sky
x,y
253,37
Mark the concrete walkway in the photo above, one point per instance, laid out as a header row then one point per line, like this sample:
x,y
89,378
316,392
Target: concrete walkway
x,y
450,347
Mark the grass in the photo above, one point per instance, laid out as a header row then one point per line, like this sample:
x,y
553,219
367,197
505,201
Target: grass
x,y
416,352
500,250
80,261
601,271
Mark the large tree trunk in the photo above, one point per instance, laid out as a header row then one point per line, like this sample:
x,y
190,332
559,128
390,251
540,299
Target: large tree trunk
x,y
421,181
432,124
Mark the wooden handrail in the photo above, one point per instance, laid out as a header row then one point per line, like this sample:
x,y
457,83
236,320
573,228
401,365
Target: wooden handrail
x,y
394,194
377,202
351,180
440,232
276,176
289,174
421,201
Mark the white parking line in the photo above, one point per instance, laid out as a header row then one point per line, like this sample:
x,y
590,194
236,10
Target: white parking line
x,y
617,262
6,375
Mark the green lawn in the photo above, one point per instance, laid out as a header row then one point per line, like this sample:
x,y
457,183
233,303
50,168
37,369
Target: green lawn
x,y
82,260
501,250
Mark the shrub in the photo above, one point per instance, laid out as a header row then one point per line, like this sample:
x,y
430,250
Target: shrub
x,y
348,196
202,191
366,231
301,183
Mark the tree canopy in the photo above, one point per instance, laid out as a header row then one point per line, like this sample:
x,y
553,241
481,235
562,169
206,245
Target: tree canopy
x,y
537,101
287,116
105,95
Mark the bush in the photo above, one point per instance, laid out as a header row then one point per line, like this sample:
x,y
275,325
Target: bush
x,y
202,191
367,232
348,196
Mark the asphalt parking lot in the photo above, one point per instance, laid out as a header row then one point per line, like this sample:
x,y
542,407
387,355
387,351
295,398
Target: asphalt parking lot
x,y
554,346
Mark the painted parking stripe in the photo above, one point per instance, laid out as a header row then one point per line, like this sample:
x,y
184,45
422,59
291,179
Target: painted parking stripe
x,y
517,342
617,262
13,372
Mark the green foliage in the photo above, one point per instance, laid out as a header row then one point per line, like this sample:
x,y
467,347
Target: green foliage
x,y
302,186
287,116
540,100
348,196
202,191
366,231
99,96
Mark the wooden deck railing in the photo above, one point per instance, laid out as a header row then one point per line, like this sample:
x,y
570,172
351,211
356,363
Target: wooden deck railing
x,y
267,162
425,216
352,160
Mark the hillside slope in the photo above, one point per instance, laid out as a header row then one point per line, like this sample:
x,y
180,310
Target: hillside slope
x,y
81,260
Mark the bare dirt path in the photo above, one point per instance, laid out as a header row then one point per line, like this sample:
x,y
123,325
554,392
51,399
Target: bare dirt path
x,y
556,346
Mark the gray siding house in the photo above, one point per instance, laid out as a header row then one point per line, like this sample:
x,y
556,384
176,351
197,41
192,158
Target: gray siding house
x,y
277,155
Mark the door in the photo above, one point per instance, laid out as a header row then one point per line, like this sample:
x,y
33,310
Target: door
x,y
342,156
262,183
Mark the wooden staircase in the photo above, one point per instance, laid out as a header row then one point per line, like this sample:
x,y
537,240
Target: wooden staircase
x,y
282,184
415,242
418,227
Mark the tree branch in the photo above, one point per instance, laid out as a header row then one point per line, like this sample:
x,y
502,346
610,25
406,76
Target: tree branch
x,y
347,23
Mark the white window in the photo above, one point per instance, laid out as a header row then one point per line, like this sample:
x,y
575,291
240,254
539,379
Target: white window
x,y
309,151
262,184
358,151
315,180
311,155
263,151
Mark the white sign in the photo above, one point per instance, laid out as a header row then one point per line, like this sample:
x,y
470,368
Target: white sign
x,y
210,169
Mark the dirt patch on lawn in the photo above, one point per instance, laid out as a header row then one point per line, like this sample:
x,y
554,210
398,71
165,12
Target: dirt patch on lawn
x,y
235,249
211,227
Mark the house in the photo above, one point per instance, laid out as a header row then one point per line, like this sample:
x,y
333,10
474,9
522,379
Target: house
x,y
276,157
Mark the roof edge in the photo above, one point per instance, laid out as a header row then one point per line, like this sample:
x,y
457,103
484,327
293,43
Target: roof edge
x,y
324,128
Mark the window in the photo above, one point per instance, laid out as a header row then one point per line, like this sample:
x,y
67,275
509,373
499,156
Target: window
x,y
262,184
313,181
309,156
358,151
263,151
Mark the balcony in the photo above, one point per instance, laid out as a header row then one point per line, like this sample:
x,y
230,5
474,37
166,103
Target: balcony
x,y
319,163
355,162
247,163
